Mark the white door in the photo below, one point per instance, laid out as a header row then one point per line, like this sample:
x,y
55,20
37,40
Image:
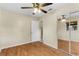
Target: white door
x,y
36,33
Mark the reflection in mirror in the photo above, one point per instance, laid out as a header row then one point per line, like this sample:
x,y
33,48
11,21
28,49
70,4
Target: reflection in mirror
x,y
75,33
68,33
63,33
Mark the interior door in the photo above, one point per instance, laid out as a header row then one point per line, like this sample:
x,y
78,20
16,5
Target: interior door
x,y
36,33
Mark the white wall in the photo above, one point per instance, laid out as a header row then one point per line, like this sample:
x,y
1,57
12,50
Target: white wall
x,y
50,30
14,29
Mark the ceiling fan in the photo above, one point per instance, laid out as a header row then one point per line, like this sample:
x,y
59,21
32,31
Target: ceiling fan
x,y
38,7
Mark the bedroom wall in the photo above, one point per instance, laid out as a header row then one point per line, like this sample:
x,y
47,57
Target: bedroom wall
x,y
14,29
50,30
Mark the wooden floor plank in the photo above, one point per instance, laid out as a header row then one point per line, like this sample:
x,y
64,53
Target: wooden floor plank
x,y
32,49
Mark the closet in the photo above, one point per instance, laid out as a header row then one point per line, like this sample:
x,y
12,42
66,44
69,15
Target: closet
x,y
68,33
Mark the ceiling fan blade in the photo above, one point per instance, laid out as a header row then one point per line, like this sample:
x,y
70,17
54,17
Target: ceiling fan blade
x,y
37,4
43,11
46,4
26,7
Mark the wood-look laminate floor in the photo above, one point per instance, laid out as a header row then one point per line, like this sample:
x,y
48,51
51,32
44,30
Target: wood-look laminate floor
x,y
32,49
63,44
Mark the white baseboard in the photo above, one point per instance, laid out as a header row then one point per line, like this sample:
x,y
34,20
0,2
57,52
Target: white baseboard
x,y
50,45
15,45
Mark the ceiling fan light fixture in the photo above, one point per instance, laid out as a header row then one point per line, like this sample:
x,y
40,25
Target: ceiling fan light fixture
x,y
38,7
39,11
35,10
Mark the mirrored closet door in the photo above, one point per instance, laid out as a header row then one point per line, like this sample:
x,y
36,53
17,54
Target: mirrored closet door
x,y
63,33
74,17
68,33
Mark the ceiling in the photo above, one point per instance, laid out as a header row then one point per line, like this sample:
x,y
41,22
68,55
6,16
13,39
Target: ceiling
x,y
16,7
